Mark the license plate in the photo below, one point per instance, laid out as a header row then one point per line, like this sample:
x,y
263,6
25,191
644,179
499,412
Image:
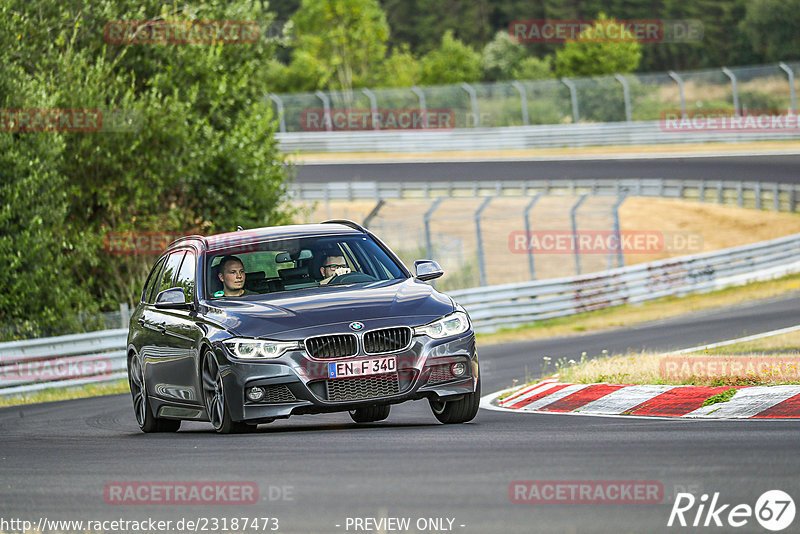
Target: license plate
x,y
374,366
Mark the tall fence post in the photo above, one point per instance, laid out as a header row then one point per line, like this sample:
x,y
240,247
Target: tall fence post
x,y
523,100
124,314
481,259
279,103
617,234
626,94
326,106
423,108
783,66
675,76
573,93
528,209
427,222
729,73
373,213
473,98
572,216
373,105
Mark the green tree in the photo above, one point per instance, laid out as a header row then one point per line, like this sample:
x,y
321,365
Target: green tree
x,y
452,62
347,37
501,57
596,52
534,68
773,28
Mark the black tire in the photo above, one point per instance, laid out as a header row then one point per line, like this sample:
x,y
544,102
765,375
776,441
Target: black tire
x,y
370,414
459,411
141,405
214,399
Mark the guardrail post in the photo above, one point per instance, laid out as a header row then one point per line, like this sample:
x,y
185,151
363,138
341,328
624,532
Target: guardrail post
x,y
758,195
573,93
740,194
626,94
572,213
528,209
124,315
427,190
729,73
279,103
783,66
720,193
617,234
675,76
792,199
776,197
427,222
473,98
523,99
481,259
373,213
423,108
702,190
638,187
373,105
326,106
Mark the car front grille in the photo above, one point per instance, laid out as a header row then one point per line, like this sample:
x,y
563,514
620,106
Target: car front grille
x,y
350,389
278,394
440,373
333,346
387,340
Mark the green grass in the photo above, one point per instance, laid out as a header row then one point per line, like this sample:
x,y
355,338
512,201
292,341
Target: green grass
x,y
80,392
725,396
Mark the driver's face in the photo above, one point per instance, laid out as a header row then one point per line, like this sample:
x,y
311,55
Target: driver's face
x,y
232,276
331,264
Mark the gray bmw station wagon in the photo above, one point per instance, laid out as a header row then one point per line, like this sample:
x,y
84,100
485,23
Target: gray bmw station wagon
x,y
241,328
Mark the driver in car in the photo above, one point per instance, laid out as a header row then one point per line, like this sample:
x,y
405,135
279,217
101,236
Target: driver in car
x,y
231,274
332,266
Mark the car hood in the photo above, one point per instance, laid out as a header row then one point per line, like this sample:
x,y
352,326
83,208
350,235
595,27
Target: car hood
x,y
301,313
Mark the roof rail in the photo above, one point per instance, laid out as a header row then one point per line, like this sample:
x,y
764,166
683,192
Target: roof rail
x,y
193,237
346,222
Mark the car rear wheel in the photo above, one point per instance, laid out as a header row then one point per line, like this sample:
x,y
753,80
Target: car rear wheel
x,y
214,399
458,411
370,414
141,405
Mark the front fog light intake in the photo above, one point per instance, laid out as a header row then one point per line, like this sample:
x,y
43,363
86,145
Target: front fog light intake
x,y
458,369
255,393
449,325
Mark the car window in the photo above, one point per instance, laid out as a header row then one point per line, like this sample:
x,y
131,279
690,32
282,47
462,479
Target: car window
x,y
186,276
148,294
170,269
296,264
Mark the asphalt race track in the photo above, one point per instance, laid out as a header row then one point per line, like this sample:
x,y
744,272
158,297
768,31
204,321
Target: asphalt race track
x,y
771,168
315,472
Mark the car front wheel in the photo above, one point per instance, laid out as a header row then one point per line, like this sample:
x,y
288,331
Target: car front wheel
x,y
141,405
370,414
458,411
214,399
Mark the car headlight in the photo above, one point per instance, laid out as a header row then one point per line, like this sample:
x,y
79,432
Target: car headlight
x,y
253,349
449,325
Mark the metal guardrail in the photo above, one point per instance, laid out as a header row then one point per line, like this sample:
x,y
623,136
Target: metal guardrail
x,y
64,361
495,307
759,195
513,138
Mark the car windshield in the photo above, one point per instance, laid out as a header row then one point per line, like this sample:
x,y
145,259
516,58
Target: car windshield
x,y
290,264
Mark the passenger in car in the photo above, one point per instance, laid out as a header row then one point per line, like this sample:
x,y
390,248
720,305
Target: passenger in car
x,y
332,266
232,276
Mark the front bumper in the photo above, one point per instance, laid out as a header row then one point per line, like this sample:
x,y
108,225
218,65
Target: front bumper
x,y
297,384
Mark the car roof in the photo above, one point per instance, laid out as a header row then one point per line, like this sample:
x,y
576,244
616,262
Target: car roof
x,y
255,235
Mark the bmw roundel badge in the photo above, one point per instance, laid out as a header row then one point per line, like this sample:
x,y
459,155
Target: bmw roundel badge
x,y
357,326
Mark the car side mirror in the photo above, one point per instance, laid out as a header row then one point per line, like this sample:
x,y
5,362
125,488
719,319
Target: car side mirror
x,y
427,270
173,299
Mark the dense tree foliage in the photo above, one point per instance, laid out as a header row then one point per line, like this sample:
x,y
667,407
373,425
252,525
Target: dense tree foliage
x,y
186,145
